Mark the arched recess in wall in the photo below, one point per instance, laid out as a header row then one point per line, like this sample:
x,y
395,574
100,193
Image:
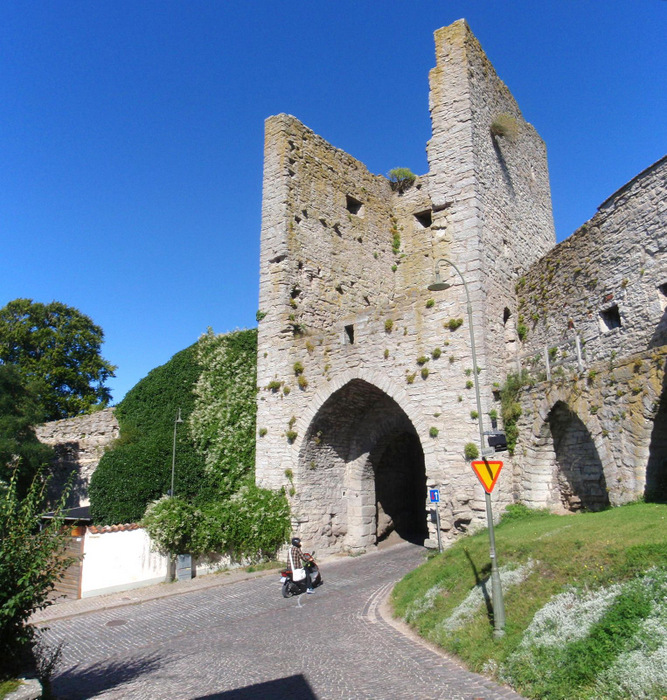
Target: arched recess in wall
x,y
579,479
656,469
363,464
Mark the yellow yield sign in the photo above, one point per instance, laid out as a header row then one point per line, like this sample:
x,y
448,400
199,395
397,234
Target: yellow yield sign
x,y
487,472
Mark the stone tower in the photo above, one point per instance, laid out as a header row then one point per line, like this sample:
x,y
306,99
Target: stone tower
x,y
365,377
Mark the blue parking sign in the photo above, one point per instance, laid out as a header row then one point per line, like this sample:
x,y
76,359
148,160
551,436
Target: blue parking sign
x,y
434,495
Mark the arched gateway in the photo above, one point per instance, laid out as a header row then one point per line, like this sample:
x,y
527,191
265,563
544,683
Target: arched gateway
x,y
364,465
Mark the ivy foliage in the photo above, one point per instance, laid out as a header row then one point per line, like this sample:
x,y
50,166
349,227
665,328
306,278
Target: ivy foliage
x,y
223,421
216,506
137,470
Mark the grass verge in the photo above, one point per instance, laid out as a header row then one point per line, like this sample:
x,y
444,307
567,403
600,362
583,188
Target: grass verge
x,y
582,611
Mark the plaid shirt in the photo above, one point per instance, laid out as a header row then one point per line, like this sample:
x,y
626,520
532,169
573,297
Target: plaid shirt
x,y
297,558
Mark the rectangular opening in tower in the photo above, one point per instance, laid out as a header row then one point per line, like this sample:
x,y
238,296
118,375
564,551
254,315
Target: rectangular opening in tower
x,y
423,218
349,334
611,318
354,206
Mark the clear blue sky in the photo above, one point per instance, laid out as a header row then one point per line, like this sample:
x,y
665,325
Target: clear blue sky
x,y
131,134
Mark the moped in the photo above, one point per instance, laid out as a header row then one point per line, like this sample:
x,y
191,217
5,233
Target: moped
x,y
291,587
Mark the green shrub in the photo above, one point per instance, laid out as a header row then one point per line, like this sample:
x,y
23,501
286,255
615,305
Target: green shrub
x,y
470,451
454,323
31,562
436,353
433,432
401,178
388,325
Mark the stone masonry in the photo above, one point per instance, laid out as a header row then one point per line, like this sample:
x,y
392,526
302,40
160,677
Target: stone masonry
x,y
357,366
365,377
79,444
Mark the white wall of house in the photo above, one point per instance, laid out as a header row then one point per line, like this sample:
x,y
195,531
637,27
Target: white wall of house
x,y
119,561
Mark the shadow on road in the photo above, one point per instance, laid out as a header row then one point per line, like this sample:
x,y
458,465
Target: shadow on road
x,y
292,688
80,683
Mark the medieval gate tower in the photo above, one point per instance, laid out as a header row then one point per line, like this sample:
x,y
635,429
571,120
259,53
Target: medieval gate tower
x,y
365,376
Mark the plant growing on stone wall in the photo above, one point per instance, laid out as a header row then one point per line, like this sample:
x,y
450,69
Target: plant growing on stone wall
x,y
289,474
422,360
459,398
474,415
298,368
394,268
430,303
454,323
388,325
469,384
286,390
424,372
522,331
263,432
505,125
274,385
433,431
302,382
510,408
436,353
493,414
470,451
401,179
291,435
410,378
386,353
260,315
452,359
467,371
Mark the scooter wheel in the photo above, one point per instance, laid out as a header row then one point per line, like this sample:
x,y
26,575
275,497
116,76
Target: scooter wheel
x,y
287,590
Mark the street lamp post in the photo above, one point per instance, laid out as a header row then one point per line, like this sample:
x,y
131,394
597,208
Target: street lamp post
x,y
496,588
173,453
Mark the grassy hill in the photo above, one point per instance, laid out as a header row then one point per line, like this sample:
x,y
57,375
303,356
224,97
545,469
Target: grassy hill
x,y
585,598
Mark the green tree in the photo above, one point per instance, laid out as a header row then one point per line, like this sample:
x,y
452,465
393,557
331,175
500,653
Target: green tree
x,y
21,453
56,349
31,562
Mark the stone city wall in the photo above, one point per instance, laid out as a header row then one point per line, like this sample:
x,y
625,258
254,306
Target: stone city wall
x,y
359,371
79,444
597,439
607,283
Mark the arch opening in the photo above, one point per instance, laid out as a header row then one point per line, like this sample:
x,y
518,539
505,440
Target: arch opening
x,y
361,472
580,479
655,489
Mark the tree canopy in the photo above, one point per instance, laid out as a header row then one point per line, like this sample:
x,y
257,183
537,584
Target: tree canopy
x,y
56,350
21,453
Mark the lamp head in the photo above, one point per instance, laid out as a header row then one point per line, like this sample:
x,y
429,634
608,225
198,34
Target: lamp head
x,y
438,285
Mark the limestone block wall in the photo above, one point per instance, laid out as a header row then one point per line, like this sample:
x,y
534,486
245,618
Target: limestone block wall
x,y
79,444
608,281
353,348
491,192
597,439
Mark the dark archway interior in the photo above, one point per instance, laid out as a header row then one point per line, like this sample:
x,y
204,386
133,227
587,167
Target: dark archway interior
x,y
400,488
580,475
656,469
361,420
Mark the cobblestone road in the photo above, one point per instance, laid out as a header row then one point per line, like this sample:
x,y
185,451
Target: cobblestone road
x,y
244,640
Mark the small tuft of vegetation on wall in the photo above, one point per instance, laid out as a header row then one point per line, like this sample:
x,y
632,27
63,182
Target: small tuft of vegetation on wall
x,y
510,408
401,179
505,125
454,323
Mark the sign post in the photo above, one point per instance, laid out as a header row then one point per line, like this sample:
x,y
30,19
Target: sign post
x,y
434,495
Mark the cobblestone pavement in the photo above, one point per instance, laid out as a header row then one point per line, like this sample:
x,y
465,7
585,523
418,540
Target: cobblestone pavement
x,y
243,640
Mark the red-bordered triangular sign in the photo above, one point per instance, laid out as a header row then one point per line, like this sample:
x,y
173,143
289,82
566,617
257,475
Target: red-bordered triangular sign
x,y
487,472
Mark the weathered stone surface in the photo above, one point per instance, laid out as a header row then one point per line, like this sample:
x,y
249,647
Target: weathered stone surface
x,y
374,380
79,445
